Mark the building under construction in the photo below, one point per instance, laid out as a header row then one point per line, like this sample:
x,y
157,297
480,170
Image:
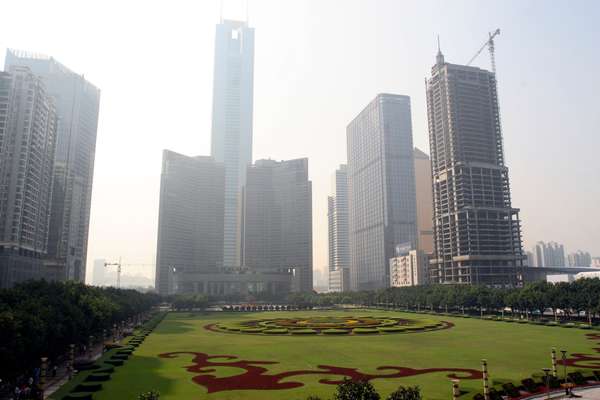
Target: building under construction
x,y
477,232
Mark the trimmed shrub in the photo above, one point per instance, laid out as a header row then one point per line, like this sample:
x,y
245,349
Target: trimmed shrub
x,y
88,387
120,357
97,377
78,396
277,331
334,331
116,363
303,332
363,331
252,330
105,369
392,329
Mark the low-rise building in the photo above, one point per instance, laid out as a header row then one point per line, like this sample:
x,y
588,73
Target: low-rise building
x,y
409,268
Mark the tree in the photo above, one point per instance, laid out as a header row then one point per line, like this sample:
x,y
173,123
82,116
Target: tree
x,y
355,390
406,393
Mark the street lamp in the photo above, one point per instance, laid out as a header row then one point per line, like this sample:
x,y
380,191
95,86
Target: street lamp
x,y
547,376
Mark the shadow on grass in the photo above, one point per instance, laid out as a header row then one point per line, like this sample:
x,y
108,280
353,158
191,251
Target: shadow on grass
x,y
173,326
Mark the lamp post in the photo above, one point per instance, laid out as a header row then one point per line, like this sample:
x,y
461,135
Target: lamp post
x,y
455,389
553,354
547,376
43,376
486,387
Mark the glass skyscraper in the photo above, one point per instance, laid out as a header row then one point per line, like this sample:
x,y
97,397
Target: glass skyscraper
x,y
232,122
381,186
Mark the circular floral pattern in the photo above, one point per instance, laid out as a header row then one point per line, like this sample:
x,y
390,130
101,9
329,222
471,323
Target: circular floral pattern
x,y
334,325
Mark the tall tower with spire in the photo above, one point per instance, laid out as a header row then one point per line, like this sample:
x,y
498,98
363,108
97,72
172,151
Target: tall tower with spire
x,y
477,234
233,92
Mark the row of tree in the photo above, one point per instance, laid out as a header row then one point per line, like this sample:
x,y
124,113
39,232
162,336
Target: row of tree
x,y
572,299
41,319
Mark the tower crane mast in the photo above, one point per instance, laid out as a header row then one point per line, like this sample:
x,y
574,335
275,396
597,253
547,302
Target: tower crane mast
x,y
490,45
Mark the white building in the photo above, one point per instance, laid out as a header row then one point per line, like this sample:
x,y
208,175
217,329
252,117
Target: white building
x,y
339,244
409,268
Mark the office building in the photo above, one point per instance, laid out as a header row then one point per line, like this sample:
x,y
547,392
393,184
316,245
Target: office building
x,y
190,221
477,232
337,228
549,254
277,221
424,201
77,103
28,126
381,187
409,267
580,259
232,122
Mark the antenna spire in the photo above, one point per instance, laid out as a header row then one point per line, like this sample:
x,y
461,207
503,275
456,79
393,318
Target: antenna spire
x,y
438,39
439,58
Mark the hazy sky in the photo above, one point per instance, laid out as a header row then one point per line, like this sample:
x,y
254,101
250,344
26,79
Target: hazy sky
x,y
317,64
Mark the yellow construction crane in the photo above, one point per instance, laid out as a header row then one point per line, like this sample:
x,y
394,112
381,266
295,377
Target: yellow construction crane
x,y
490,45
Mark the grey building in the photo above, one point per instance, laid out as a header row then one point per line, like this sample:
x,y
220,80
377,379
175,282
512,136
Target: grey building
x,y
190,220
27,145
580,259
277,220
477,232
233,91
381,186
77,104
338,234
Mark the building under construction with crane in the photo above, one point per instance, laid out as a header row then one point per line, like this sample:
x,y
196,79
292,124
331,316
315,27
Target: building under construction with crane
x,y
477,231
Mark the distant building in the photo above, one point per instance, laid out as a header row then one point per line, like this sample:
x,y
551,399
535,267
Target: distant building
x,y
580,259
233,91
381,187
190,222
99,273
77,105
28,124
596,262
424,201
530,259
549,254
477,231
277,221
339,241
409,268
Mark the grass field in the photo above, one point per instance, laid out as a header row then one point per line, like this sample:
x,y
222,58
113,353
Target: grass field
x,y
513,351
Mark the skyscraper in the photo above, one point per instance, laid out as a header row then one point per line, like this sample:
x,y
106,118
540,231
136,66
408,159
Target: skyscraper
x,y
477,232
381,186
190,221
77,104
339,241
233,91
27,145
277,224
424,201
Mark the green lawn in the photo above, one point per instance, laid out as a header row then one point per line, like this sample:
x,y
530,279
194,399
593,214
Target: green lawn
x,y
513,351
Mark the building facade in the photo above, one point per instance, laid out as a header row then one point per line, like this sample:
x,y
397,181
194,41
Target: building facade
x,y
381,187
77,105
337,228
549,254
28,124
424,201
409,268
233,90
580,259
190,221
477,233
277,220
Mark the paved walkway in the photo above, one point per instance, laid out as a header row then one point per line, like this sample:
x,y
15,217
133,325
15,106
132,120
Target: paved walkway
x,y
592,393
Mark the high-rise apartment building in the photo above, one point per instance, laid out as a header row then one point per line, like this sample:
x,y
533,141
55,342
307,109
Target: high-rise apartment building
x,y
27,145
190,221
580,259
424,201
77,104
381,187
549,254
477,232
277,220
339,241
232,122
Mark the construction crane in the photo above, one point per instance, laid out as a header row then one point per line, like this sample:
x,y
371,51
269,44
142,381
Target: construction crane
x,y
490,45
120,265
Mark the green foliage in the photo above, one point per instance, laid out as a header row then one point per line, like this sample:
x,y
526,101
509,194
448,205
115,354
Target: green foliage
x,y
40,318
355,390
406,393
151,395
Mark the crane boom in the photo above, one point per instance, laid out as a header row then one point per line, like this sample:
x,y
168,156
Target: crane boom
x,y
490,45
